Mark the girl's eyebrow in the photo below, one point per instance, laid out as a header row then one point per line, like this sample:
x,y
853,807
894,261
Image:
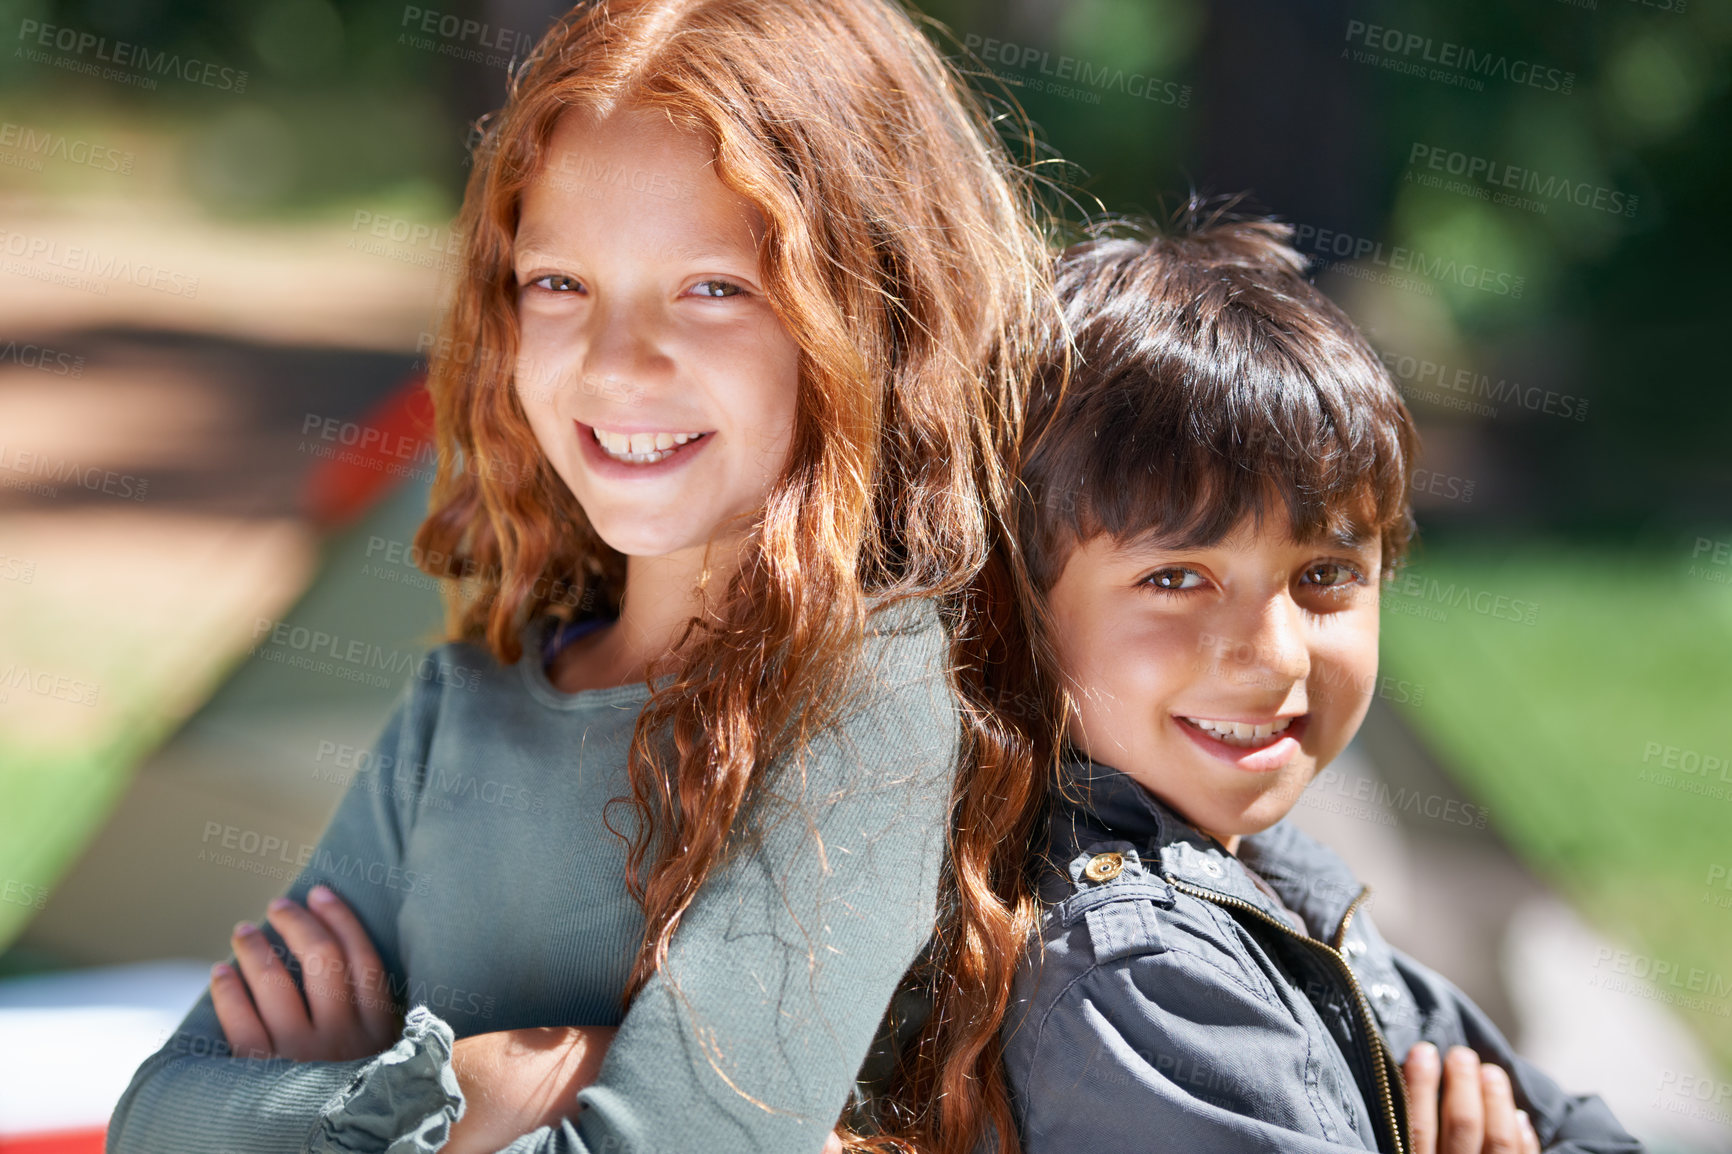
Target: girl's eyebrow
x,y
531,240
538,243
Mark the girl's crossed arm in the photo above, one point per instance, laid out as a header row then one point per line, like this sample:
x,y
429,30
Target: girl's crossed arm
x,y
198,1094
513,1081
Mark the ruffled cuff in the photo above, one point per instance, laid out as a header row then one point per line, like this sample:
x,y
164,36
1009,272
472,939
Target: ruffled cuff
x,y
402,1102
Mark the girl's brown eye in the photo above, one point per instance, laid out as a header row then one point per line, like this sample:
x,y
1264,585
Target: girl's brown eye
x,y
724,284
556,282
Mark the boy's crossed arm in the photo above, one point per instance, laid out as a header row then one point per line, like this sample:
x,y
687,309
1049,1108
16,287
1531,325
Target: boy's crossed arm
x,y
1472,1111
1121,1057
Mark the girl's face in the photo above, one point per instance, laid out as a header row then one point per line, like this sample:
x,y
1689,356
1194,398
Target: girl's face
x,y
659,382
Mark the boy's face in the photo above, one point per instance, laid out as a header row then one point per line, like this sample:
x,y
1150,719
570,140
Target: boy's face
x,y
1162,647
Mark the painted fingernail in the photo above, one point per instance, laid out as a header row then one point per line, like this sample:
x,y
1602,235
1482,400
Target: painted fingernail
x,y
278,905
242,929
220,970
320,894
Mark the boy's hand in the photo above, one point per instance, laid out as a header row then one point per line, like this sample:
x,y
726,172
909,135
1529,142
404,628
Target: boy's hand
x,y
1473,1113
348,1011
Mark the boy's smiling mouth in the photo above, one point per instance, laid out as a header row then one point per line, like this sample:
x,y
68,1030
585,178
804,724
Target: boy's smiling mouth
x,y
1257,745
1249,734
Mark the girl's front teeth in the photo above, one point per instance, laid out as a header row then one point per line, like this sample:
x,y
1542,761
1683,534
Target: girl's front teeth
x,y
642,448
1238,732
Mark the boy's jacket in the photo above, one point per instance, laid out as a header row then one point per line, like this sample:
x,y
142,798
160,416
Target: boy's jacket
x,y
1168,1003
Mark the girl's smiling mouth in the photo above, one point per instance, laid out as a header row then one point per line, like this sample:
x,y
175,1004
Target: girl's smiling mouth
x,y
641,448
638,449
1257,745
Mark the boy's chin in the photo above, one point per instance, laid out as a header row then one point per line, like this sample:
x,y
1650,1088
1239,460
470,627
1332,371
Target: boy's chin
x,y
1260,811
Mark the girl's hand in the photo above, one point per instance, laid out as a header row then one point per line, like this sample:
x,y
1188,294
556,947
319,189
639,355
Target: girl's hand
x,y
1473,1113
352,1013
517,1081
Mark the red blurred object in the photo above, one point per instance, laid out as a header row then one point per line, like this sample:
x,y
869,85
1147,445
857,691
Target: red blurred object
x,y
361,461
85,1141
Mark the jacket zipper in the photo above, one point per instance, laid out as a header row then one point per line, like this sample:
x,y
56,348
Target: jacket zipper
x,y
1383,1062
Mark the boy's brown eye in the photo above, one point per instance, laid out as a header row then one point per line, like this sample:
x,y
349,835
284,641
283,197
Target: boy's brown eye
x,y
1174,578
1329,574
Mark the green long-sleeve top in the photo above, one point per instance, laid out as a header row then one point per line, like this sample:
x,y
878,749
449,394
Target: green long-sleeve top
x,y
472,846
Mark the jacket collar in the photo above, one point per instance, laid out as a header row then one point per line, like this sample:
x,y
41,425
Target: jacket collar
x,y
1095,802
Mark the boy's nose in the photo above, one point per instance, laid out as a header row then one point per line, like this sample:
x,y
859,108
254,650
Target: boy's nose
x,y
1270,646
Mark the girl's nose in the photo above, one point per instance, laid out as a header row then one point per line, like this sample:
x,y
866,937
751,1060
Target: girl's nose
x,y
624,356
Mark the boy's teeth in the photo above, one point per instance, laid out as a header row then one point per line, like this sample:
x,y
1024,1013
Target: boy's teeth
x,y
1238,732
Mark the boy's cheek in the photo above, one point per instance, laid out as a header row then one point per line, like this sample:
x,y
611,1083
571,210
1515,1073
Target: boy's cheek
x,y
1340,696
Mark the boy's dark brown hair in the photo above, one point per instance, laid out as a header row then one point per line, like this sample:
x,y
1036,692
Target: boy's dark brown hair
x,y
1208,379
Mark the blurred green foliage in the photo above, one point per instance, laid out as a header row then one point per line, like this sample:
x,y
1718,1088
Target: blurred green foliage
x,y
1573,731
342,111
335,112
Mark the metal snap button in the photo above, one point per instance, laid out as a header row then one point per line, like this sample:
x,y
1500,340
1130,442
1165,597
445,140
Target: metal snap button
x,y
1104,867
1211,867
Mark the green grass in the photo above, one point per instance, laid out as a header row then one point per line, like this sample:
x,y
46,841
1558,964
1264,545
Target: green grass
x,y
1562,729
58,794
58,783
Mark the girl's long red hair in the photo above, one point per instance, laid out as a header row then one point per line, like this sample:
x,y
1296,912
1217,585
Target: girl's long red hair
x,y
903,253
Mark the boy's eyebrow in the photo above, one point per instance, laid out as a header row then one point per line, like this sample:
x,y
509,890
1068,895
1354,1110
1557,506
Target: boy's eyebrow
x,y
1348,538
1153,540
1156,539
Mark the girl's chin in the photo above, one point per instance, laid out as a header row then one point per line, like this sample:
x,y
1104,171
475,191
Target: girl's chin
x,y
655,531
633,542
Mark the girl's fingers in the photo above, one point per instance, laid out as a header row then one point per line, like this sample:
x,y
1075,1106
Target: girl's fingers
x,y
375,1005
1422,1072
1461,1119
324,968
1503,1133
1530,1136
247,1036
279,1002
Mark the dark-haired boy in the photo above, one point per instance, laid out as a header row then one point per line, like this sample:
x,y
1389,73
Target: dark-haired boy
x,y
1212,503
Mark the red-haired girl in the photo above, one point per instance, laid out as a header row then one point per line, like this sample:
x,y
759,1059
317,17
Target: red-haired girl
x,y
749,293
